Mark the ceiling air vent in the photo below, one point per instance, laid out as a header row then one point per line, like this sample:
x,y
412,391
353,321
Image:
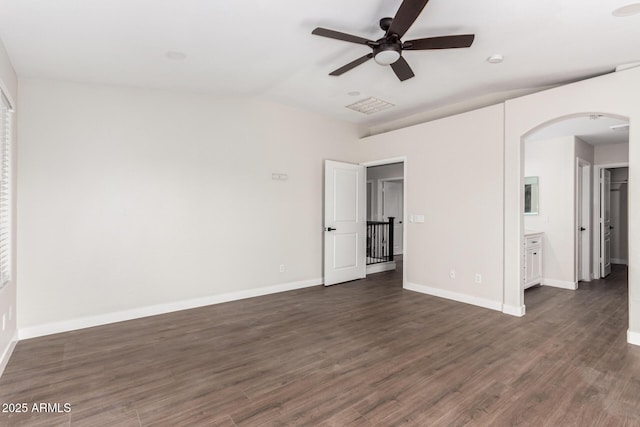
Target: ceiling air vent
x,y
370,105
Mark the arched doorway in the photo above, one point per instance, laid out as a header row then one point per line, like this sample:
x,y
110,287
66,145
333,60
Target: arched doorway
x,y
566,220
612,94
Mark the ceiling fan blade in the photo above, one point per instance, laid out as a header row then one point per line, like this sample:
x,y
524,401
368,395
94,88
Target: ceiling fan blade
x,y
402,69
340,36
444,42
406,16
351,65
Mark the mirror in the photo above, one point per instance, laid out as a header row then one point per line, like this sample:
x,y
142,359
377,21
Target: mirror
x,y
531,195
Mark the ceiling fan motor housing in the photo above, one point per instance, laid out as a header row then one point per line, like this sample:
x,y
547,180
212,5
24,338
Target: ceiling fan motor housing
x,y
388,50
385,23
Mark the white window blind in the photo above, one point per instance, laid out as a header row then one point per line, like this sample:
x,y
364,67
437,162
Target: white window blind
x,y
5,190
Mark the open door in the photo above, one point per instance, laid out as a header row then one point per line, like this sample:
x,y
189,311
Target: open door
x,y
345,223
605,222
583,220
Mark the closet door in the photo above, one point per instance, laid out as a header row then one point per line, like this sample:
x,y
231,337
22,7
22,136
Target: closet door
x,y
605,222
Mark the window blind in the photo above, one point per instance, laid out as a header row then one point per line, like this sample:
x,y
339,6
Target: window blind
x,y
5,190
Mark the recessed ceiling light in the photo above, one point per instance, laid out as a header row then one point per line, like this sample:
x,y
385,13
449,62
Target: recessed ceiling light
x,y
628,10
353,93
175,55
495,59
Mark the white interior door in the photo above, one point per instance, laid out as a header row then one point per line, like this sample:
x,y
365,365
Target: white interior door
x,y
392,201
605,222
345,223
583,219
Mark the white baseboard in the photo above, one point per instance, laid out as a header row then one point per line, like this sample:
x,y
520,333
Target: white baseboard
x,y
633,337
455,296
619,261
514,310
562,284
136,313
380,267
8,352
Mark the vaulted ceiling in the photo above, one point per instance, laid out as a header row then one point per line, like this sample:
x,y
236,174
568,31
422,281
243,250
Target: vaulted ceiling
x,y
264,48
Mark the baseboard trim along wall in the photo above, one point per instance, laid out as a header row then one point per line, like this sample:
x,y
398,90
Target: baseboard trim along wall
x,y
380,267
514,310
136,313
8,352
562,284
633,337
467,299
619,261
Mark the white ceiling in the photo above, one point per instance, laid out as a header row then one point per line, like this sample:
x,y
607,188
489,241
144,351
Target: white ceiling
x,y
264,48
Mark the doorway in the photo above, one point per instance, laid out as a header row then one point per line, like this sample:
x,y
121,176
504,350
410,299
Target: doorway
x,y
611,198
573,214
385,241
354,198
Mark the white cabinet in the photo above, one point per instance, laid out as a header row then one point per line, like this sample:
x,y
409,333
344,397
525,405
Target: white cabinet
x,y
532,259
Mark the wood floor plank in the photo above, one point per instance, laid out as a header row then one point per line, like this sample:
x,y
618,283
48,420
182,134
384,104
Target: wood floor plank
x,y
364,353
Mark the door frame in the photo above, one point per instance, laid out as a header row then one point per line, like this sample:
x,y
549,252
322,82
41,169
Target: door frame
x,y
369,185
595,219
404,161
582,210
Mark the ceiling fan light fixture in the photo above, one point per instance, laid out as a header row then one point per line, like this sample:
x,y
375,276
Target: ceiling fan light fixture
x,y
387,54
387,57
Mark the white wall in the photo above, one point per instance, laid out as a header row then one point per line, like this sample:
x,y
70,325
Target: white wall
x,y
611,154
122,193
552,161
132,198
9,85
584,151
611,94
463,213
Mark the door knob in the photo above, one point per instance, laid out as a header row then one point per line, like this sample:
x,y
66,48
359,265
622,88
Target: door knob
x,y
330,229
582,228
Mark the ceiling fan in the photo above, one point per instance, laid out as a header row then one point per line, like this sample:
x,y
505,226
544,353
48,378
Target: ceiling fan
x,y
388,49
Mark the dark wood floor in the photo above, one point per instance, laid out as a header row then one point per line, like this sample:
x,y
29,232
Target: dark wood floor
x,y
363,353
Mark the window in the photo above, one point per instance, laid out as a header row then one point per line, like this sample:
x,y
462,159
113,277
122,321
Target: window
x,y
5,189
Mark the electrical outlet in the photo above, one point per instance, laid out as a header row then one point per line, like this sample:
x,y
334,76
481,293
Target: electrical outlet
x,y
478,278
4,322
281,268
452,273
